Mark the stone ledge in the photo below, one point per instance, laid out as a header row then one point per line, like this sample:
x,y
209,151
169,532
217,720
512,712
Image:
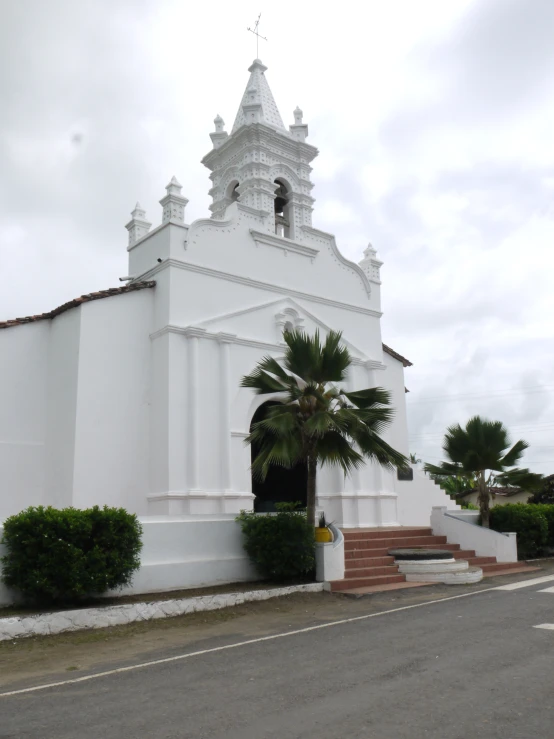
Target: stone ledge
x,y
58,622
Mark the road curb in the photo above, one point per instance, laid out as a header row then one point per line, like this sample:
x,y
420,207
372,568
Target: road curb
x,y
59,622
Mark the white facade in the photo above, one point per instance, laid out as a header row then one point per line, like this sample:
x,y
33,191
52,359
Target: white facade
x,y
134,399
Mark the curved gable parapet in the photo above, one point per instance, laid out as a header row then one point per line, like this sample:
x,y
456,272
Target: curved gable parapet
x,y
315,235
209,224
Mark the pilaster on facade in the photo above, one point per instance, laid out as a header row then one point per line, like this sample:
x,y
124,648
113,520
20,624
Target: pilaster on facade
x,y
225,341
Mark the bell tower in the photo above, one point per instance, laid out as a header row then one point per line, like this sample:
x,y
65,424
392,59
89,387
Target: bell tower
x,y
262,165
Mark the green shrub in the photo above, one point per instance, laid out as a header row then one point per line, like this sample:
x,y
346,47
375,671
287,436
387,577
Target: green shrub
x,y
61,556
282,545
547,511
527,521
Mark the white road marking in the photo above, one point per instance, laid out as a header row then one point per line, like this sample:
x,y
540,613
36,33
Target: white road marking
x,y
526,583
239,644
546,590
141,665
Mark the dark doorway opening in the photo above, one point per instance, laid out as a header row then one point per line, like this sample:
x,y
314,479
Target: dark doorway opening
x,y
281,485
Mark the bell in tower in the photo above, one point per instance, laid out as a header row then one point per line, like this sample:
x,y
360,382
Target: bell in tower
x,y
261,165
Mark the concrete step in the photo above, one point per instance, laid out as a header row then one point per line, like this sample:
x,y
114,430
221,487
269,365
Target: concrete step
x,y
480,561
463,553
383,552
521,569
352,563
385,533
369,590
406,542
361,582
370,571
501,566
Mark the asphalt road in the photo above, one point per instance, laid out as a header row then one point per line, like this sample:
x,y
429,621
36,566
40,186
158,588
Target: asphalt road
x,y
468,667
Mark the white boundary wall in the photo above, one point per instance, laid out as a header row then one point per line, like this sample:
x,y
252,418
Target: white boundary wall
x,y
182,552
59,622
484,542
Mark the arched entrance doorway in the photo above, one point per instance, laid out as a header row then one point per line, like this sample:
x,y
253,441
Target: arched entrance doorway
x,y
281,485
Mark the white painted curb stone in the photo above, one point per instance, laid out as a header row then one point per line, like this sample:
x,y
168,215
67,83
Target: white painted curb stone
x,y
59,622
412,567
465,577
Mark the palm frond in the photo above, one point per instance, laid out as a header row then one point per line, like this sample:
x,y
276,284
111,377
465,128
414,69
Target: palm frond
x,y
376,448
262,382
512,457
334,449
281,451
302,354
320,423
280,420
445,469
370,397
335,359
520,478
270,364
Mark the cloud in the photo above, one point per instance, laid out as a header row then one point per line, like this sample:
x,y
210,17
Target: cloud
x,y
435,139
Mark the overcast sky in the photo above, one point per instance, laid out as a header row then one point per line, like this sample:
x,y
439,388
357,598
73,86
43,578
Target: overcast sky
x,y
435,125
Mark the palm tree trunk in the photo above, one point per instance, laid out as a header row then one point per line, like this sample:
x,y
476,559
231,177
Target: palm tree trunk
x,y
484,507
312,472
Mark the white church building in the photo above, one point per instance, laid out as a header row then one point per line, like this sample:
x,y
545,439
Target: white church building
x,y
131,396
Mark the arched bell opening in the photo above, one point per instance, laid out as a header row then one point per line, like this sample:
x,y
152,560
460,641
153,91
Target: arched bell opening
x,y
281,485
232,192
282,209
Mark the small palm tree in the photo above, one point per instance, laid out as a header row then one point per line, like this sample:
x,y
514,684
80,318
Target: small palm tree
x,y
317,422
483,446
414,459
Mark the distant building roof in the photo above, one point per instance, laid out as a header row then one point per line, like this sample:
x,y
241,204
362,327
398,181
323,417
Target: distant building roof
x,y
506,492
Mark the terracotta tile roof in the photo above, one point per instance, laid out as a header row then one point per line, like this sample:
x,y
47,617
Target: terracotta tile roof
x,y
78,301
396,355
121,291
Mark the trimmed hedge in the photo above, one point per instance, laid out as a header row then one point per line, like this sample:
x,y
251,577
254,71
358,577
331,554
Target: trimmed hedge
x,y
62,556
528,521
281,546
547,511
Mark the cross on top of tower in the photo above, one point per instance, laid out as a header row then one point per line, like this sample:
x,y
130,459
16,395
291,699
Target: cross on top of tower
x,y
257,34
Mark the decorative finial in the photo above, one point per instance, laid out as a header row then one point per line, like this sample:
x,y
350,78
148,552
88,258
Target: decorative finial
x,y
258,36
139,211
370,264
173,203
174,187
138,226
370,250
220,134
299,130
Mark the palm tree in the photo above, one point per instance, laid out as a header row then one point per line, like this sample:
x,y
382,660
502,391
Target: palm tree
x,y
414,459
483,446
317,422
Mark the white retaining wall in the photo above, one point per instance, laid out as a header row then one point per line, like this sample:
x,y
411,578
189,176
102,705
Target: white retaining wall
x,y
418,497
181,552
484,542
329,557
